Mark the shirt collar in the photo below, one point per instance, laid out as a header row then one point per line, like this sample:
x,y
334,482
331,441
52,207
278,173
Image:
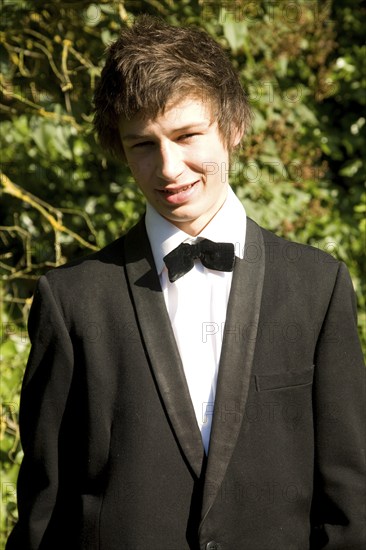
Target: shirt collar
x,y
228,225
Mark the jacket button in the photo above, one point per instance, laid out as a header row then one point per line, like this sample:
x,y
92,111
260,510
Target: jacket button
x,y
213,545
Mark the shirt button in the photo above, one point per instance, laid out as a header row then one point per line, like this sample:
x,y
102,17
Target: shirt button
x,y
212,545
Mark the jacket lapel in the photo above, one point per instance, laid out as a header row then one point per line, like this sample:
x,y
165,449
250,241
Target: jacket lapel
x,y
236,360
159,340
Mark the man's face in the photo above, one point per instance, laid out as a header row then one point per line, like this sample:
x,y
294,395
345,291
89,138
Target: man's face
x,y
179,162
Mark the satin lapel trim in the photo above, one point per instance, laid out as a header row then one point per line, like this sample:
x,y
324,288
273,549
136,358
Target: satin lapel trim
x,y
161,347
236,360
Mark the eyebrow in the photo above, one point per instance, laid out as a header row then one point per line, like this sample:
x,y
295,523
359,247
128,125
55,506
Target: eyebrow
x,y
134,136
194,125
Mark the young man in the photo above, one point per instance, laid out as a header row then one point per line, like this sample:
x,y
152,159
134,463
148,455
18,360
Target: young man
x,y
184,394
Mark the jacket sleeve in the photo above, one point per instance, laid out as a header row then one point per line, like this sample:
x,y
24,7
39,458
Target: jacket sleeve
x,y
338,512
44,395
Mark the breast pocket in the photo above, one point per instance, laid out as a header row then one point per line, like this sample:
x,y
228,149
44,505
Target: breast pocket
x,y
281,404
284,380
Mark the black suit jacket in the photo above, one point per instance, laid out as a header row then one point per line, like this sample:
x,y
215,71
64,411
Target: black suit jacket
x,y
113,454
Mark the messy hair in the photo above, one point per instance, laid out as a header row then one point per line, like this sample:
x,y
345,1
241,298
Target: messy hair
x,y
153,63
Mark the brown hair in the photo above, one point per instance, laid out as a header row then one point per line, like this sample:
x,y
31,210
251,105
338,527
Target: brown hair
x,y
152,63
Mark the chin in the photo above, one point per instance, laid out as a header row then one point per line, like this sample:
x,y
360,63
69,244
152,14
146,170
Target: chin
x,y
184,218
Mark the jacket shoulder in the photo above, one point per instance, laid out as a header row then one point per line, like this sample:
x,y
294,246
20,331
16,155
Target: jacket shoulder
x,y
279,250
89,266
109,259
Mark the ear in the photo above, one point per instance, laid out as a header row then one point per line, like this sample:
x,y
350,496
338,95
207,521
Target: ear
x,y
238,134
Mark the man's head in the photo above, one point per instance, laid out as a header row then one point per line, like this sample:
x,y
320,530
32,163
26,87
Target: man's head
x,y
171,105
153,64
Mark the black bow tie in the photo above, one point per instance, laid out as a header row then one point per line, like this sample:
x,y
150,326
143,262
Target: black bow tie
x,y
218,256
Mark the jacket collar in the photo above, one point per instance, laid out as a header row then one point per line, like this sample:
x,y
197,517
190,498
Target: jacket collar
x,y
166,366
163,354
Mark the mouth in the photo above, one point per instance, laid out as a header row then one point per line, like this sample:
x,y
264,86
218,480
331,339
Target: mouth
x,y
175,196
177,190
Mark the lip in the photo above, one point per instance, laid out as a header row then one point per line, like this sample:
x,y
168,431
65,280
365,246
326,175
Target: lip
x,y
177,188
178,194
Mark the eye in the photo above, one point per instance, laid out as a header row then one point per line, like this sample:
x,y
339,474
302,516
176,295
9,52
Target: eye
x,y
142,144
187,137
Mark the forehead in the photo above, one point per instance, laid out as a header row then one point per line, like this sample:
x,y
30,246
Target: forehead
x,y
178,113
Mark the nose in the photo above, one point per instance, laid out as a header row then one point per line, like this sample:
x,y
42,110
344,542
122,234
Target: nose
x,y
170,163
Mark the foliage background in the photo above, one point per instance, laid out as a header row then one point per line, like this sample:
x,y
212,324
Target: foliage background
x,y
300,173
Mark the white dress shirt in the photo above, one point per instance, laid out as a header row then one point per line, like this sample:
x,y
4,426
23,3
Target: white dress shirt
x,y
197,302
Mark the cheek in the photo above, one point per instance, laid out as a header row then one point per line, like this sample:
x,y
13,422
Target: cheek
x,y
211,160
135,166
198,158
140,172
215,175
